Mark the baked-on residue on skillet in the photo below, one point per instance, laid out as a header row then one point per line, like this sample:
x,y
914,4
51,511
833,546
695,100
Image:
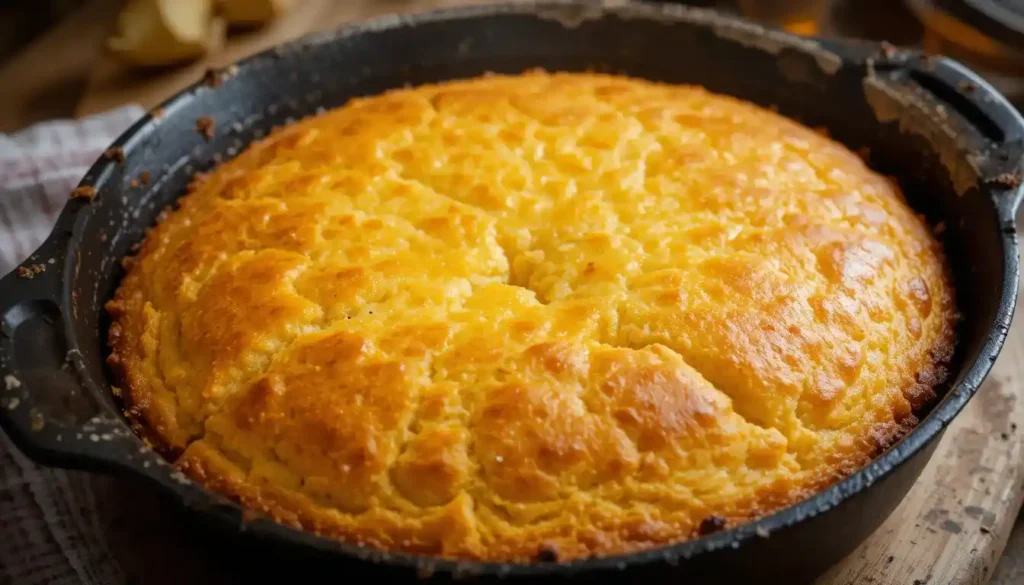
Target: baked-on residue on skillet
x,y
558,315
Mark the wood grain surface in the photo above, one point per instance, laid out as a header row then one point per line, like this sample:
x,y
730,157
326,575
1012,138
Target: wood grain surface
x,y
951,529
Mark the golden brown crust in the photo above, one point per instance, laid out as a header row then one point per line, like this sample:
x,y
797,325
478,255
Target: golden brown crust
x,y
539,315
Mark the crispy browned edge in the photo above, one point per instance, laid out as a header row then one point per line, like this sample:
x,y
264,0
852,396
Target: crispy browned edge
x,y
292,510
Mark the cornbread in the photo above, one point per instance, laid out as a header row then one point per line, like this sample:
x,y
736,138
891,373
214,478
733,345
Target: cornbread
x,y
544,315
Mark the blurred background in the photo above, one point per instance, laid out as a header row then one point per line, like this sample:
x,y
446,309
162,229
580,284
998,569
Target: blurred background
x,y
77,57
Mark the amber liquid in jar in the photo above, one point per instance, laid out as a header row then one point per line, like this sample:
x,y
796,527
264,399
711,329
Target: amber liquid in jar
x,y
802,17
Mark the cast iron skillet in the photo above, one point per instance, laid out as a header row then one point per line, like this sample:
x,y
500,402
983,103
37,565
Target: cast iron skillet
x,y
952,141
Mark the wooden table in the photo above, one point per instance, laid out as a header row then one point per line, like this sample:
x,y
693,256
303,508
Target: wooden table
x,y
66,71
952,528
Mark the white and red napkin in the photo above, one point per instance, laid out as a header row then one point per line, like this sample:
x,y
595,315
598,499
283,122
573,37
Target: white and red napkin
x,y
49,531
39,166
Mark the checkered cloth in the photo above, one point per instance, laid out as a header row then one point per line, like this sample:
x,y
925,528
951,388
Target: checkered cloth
x,y
49,529
38,168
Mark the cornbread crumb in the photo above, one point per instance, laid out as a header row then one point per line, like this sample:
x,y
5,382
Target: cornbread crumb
x,y
31,271
205,126
1008,180
87,192
535,317
967,86
115,154
213,78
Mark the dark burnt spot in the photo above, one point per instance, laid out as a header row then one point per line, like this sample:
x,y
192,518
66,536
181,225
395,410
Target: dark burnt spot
x,y
547,552
145,178
935,514
985,517
950,526
711,525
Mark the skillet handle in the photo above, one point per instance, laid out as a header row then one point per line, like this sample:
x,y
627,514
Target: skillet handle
x,y
949,83
47,407
991,114
947,80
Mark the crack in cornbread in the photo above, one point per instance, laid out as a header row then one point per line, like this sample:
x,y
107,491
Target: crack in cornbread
x,y
507,316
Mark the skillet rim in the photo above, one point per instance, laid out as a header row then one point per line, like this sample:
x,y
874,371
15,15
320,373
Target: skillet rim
x,y
194,496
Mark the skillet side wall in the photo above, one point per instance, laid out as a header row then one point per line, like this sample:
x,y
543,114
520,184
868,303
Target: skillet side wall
x,y
805,81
